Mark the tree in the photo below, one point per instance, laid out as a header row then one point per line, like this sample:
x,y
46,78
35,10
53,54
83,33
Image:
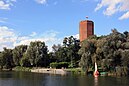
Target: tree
x,y
73,47
52,57
68,52
56,52
65,41
37,54
2,60
18,52
24,62
110,52
7,58
87,52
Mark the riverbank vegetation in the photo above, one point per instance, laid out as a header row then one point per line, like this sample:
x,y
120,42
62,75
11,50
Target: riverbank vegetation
x,y
110,52
37,55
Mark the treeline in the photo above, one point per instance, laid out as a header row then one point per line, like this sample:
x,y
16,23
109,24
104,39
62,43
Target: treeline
x,y
37,55
111,52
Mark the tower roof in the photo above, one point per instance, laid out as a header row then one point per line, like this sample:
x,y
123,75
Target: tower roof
x,y
86,21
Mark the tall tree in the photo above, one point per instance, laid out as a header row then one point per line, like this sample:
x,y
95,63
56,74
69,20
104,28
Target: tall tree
x,y
110,51
87,52
69,51
37,54
18,52
7,57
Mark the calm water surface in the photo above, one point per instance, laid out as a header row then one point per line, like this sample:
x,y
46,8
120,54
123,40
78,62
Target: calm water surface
x,y
34,79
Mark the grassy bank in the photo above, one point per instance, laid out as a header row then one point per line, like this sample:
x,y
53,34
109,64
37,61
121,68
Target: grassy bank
x,y
69,70
75,71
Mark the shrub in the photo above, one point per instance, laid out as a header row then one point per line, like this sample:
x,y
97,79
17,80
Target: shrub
x,y
59,65
54,64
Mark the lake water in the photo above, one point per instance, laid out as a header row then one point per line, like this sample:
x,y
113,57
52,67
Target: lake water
x,y
35,79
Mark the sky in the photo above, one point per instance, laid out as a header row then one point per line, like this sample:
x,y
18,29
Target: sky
x,y
23,21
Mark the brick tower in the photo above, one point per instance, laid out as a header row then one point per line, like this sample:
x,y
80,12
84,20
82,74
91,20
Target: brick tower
x,y
86,29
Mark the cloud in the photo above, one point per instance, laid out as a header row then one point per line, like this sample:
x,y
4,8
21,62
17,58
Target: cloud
x,y
6,4
41,1
9,38
6,32
114,6
124,16
49,37
33,34
3,20
76,36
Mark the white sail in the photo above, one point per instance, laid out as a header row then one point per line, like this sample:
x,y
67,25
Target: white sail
x,y
96,67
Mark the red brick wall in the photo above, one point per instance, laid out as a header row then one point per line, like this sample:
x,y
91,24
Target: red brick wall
x,y
86,29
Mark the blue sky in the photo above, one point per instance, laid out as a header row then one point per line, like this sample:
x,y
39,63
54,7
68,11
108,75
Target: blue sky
x,y
22,21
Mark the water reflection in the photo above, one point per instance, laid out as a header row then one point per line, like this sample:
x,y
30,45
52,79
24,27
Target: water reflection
x,y
34,79
95,81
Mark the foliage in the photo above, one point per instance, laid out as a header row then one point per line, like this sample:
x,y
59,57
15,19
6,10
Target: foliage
x,y
54,64
24,62
6,59
19,68
68,52
75,71
109,51
59,65
87,52
36,54
18,52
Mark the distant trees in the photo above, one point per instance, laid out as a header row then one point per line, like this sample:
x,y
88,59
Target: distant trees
x,y
6,59
36,54
68,52
109,51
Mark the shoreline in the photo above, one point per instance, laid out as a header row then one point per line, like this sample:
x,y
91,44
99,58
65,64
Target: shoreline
x,y
75,71
62,71
49,71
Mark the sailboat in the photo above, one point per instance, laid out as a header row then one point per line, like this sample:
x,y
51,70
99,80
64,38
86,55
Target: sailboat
x,y
96,73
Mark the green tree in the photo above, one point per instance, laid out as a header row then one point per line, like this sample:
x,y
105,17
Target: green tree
x,y
68,52
7,57
2,60
37,54
18,52
87,52
110,52
24,62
